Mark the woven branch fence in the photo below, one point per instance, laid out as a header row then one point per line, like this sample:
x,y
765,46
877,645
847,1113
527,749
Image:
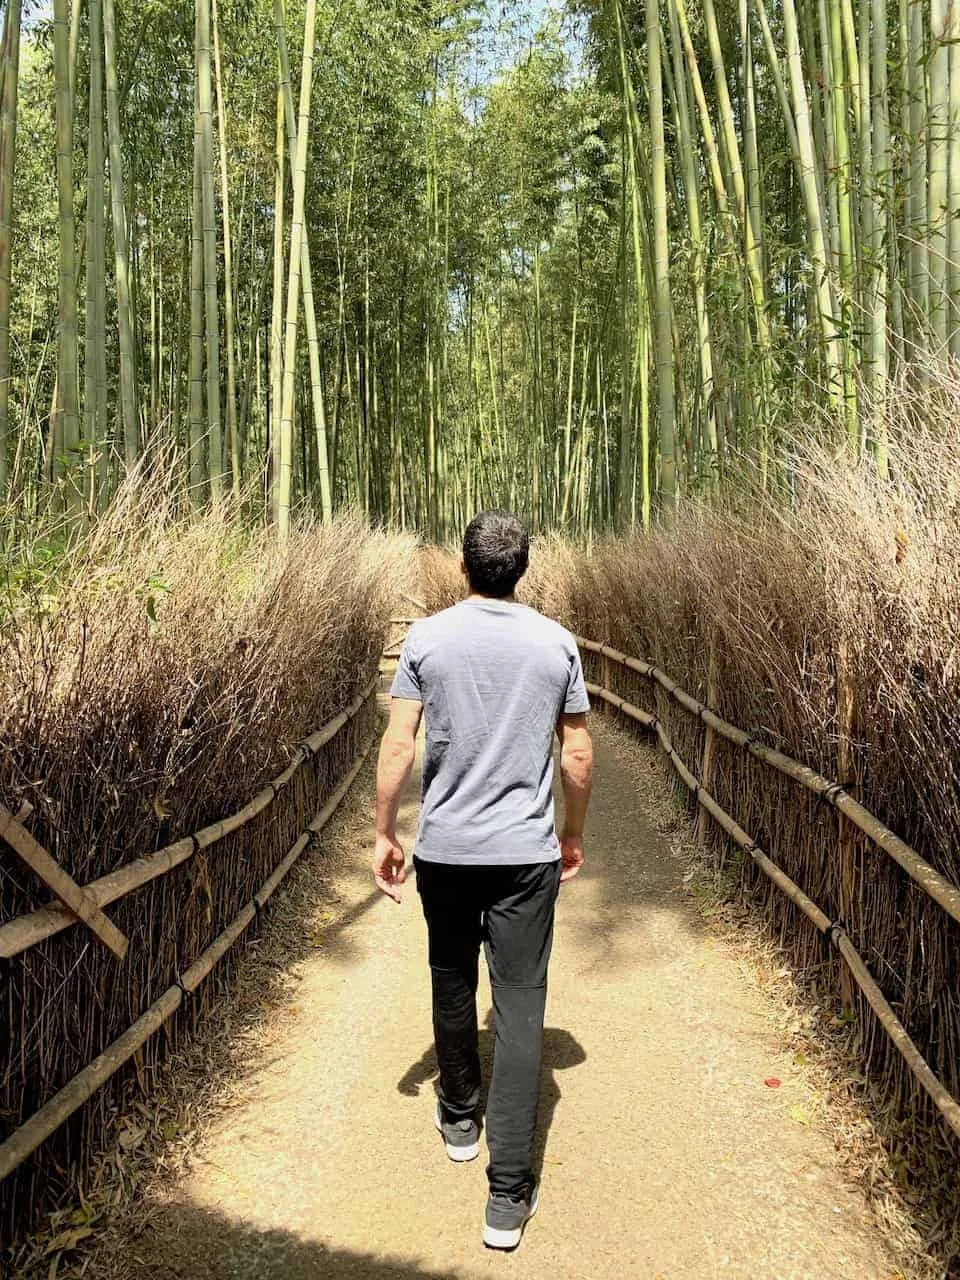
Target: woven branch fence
x,y
833,931
181,913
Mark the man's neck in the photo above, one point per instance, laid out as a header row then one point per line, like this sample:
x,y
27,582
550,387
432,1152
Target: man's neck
x,y
476,595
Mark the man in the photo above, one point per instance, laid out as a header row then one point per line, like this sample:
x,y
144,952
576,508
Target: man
x,y
494,680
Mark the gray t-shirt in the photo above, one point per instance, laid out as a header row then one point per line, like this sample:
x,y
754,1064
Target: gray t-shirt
x,y
494,677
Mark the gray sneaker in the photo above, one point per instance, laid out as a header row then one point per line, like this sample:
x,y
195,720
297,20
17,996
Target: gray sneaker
x,y
506,1217
462,1137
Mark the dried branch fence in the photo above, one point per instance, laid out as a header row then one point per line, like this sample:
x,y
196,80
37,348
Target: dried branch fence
x,y
936,886
77,907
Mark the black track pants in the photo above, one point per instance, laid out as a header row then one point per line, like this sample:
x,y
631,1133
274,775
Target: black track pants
x,y
510,909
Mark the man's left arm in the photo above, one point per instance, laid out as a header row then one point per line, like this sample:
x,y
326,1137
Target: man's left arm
x,y
397,750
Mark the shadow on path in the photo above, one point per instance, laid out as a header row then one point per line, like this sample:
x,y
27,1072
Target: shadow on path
x,y
561,1051
183,1242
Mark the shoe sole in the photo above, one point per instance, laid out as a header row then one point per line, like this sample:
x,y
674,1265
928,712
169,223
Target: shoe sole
x,y
459,1155
495,1238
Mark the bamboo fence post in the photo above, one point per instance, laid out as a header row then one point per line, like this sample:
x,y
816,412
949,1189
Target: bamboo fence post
x,y
709,741
847,834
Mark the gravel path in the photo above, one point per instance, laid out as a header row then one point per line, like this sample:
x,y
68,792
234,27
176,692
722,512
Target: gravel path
x,y
663,1153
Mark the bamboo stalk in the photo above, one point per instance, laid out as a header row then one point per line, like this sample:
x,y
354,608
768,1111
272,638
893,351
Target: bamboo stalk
x,y
211,304
65,427
128,391
297,231
8,148
228,304
25,1140
27,930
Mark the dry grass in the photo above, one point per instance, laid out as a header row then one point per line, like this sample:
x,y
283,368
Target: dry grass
x,y
857,582
153,675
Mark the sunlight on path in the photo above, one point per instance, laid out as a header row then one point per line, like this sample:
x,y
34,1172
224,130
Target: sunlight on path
x,y
663,1153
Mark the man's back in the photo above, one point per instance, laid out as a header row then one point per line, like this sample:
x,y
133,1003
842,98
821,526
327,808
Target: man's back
x,y
494,677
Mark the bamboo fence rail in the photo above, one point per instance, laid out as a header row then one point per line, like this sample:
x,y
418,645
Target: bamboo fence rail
x,y
936,886
25,931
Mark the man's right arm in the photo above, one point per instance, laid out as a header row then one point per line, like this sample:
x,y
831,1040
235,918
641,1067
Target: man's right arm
x,y
576,776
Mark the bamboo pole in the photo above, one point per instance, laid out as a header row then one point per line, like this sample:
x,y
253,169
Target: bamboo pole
x,y
822,284
75,899
94,350
27,930
228,304
298,178
25,1140
309,306
65,427
8,149
662,308
128,392
211,304
196,469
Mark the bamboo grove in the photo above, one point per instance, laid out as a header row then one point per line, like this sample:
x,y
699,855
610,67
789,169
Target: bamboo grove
x,y
420,256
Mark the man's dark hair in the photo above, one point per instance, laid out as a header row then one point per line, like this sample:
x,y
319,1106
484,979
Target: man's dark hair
x,y
496,550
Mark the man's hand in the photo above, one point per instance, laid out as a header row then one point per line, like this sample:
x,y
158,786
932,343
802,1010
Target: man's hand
x,y
571,855
388,866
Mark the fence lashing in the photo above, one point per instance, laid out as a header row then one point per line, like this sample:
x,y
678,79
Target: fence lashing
x,y
75,899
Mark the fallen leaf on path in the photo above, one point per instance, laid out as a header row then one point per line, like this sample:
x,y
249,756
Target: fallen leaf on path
x,y
800,1114
772,1082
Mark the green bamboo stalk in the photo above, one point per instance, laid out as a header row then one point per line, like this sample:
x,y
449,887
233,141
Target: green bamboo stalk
x,y
821,285
917,178
276,316
210,281
688,163
953,189
66,423
309,307
882,229
128,394
94,351
8,151
294,273
844,199
663,329
938,134
196,468
228,304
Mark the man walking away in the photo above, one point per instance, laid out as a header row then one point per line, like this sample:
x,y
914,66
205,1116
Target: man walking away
x,y
494,680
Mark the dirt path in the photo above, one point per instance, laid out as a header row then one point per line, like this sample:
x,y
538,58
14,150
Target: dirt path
x,y
663,1153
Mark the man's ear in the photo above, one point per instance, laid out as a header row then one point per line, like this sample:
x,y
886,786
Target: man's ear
x,y
463,567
